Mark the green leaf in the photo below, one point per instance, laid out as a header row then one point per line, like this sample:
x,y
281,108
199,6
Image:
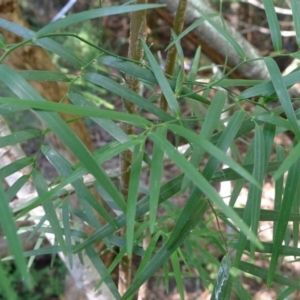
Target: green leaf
x,y
16,187
178,275
222,279
135,175
41,187
155,180
212,150
263,273
210,123
282,94
19,137
197,178
228,174
165,252
288,162
101,269
36,75
163,83
267,88
15,166
195,24
105,153
145,75
20,87
92,14
252,209
273,25
10,231
279,185
292,184
67,232
108,125
127,94
275,120
46,43
194,69
241,292
2,42
85,197
78,110
223,32
167,190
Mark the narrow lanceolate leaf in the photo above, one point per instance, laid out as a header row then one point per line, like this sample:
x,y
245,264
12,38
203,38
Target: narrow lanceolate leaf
x,y
194,69
292,185
101,269
273,24
252,209
165,252
41,187
267,88
18,137
279,186
283,94
288,162
296,13
46,43
163,83
222,279
85,197
210,123
167,191
10,231
67,231
92,14
24,90
198,179
145,75
178,275
78,110
43,76
105,153
262,273
135,175
224,33
259,174
198,22
108,125
15,166
126,93
212,150
155,180
16,187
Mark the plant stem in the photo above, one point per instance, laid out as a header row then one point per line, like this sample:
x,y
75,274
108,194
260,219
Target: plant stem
x,y
172,53
137,32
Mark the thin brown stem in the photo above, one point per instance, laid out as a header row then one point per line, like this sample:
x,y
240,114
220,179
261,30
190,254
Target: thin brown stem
x,y
137,33
172,54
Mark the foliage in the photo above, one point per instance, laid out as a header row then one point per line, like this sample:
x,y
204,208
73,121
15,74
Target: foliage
x,y
49,281
182,235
